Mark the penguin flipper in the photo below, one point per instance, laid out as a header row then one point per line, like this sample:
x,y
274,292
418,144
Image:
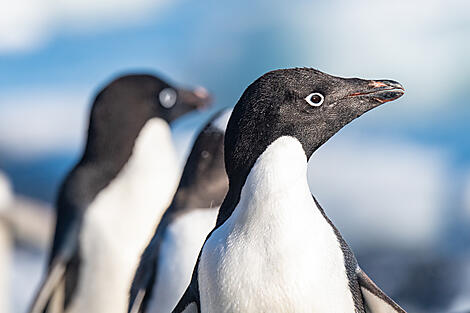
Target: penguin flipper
x,y
375,300
145,276
186,304
186,307
191,308
135,304
189,302
144,279
45,298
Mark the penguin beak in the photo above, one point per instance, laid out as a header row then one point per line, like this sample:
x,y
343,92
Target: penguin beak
x,y
380,90
197,98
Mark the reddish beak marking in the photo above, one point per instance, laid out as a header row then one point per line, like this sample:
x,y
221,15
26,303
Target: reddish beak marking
x,y
357,94
201,92
377,84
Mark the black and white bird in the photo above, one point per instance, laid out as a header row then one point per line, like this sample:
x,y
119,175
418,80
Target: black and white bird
x,y
112,199
273,249
166,266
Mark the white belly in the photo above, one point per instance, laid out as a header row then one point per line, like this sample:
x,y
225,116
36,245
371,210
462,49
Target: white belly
x,y
121,220
178,254
276,252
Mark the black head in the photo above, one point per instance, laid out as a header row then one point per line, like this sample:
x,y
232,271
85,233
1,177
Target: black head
x,y
303,103
204,182
122,108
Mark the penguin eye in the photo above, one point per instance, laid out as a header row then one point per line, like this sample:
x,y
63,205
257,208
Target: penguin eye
x,y
167,98
315,99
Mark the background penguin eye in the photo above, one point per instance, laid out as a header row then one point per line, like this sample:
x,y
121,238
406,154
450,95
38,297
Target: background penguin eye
x,y
315,99
167,98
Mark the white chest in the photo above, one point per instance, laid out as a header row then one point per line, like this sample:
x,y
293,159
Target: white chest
x,y
119,223
178,254
276,252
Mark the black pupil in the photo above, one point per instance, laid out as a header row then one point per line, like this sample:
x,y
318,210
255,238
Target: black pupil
x,y
315,99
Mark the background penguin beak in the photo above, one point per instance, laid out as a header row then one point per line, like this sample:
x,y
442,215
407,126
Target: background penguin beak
x,y
381,90
197,98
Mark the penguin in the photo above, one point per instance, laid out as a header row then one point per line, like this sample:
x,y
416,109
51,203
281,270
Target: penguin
x,y
273,249
110,202
167,263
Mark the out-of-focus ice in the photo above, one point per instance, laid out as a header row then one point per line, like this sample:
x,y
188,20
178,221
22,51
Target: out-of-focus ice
x,y
6,247
381,193
6,194
31,225
25,25
466,199
52,126
461,303
6,244
25,232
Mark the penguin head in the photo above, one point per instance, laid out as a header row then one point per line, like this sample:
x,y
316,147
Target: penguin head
x,y
172,102
303,103
146,96
204,182
123,107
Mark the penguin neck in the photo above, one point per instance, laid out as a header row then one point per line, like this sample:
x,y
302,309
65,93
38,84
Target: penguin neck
x,y
281,165
279,170
152,146
108,154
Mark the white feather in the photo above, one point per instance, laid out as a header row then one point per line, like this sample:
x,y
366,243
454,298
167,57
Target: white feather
x,y
120,222
374,304
178,254
221,122
276,252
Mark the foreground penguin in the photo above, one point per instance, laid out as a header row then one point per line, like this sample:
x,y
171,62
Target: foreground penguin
x,y
273,249
110,202
165,268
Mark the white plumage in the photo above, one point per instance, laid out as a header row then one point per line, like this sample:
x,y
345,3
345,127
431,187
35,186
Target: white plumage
x,y
120,222
179,250
276,252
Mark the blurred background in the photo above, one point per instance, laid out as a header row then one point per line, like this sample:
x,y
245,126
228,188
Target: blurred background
x,y
396,182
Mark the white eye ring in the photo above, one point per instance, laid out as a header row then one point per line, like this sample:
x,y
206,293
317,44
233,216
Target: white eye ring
x,y
315,104
167,98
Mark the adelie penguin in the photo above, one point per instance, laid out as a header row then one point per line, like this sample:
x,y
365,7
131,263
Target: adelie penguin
x,y
166,266
273,249
112,199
